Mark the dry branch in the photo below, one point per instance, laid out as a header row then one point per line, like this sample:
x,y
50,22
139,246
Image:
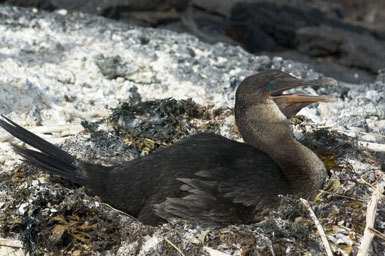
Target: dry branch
x,y
11,243
319,227
371,210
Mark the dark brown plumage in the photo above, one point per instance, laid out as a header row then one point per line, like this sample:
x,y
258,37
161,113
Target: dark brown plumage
x,y
205,178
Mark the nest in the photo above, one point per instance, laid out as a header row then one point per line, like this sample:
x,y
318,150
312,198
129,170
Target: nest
x,y
53,216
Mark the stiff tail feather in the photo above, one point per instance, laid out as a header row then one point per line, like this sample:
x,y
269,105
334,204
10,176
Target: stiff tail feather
x,y
50,158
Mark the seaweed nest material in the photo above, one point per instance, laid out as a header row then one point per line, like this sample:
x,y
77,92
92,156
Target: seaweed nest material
x,y
53,217
153,124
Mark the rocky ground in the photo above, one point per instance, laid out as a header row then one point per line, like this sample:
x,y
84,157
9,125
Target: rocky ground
x,y
59,69
344,39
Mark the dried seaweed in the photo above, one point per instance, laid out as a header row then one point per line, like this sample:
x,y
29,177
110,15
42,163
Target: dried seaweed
x,y
152,124
54,219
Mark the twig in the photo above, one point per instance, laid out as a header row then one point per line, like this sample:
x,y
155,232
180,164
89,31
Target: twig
x,y
86,115
269,244
40,130
363,181
371,134
356,132
173,245
377,233
213,252
371,210
339,195
11,243
319,227
372,146
119,211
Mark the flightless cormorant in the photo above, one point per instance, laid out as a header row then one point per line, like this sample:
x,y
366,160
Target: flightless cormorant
x,y
205,178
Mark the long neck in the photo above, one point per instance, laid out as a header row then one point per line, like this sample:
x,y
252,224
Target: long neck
x,y
265,127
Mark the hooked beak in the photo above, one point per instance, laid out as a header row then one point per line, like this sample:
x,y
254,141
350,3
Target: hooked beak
x,y
291,104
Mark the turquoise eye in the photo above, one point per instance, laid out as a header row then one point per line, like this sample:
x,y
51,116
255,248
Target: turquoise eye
x,y
271,85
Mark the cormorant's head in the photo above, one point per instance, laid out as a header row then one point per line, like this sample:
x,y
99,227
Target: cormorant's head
x,y
271,84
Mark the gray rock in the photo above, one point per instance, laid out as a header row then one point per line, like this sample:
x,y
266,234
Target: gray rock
x,y
304,27
354,49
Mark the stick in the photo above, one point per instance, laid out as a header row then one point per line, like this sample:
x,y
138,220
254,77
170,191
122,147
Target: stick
x,y
377,233
349,131
339,195
84,115
119,211
319,227
371,210
213,252
372,146
11,243
176,247
40,130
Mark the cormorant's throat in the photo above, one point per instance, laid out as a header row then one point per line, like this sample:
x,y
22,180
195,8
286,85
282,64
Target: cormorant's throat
x,y
290,104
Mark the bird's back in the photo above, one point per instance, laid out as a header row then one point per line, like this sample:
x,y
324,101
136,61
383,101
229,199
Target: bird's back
x,y
201,178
